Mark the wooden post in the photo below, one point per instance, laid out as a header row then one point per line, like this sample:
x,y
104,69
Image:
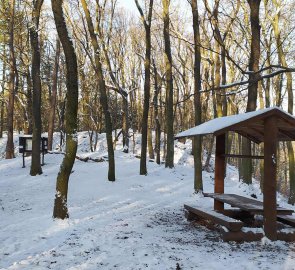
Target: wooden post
x,y
269,183
219,169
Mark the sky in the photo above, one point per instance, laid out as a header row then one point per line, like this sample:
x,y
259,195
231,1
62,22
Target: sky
x,y
128,4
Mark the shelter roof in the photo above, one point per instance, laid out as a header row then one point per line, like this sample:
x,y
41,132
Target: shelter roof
x,y
250,125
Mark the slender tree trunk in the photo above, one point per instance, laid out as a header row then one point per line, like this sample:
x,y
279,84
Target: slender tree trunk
x,y
29,103
147,84
36,62
51,117
60,204
103,93
169,162
246,164
126,125
156,116
150,137
11,84
3,89
197,146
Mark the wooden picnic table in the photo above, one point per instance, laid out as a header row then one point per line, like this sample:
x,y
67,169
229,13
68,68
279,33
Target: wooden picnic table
x,y
250,205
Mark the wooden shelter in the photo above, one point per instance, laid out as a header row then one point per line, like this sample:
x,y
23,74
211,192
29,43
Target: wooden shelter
x,y
268,126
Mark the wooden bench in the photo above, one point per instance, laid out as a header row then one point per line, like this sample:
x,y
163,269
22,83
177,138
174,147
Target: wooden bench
x,y
217,218
247,204
288,219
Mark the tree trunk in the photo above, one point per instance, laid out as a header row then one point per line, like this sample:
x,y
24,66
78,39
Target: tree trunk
x,y
60,205
51,117
156,116
11,84
169,162
36,62
3,89
29,103
197,145
126,125
246,164
103,93
147,85
150,137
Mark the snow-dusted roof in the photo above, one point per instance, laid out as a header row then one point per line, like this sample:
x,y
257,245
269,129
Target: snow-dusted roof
x,y
227,122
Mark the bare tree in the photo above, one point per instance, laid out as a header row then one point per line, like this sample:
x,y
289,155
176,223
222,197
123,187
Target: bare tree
x,y
51,117
254,76
147,83
12,86
169,86
36,62
198,184
60,204
103,92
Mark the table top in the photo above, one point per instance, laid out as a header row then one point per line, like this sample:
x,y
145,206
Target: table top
x,y
244,203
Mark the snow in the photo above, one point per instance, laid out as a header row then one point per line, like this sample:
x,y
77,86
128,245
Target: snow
x,y
136,222
217,124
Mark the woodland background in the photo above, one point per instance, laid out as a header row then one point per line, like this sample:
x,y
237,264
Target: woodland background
x,y
163,69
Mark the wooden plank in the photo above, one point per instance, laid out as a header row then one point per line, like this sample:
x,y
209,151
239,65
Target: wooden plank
x,y
190,216
237,214
287,237
244,203
288,219
219,169
218,218
241,236
243,156
269,183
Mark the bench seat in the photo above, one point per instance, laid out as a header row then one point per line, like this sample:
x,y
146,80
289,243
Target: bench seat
x,y
217,218
287,219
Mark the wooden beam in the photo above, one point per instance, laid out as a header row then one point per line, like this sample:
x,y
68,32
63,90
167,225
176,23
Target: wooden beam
x,y
243,156
269,183
219,170
287,134
248,136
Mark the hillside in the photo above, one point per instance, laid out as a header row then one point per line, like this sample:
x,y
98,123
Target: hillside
x,y
136,222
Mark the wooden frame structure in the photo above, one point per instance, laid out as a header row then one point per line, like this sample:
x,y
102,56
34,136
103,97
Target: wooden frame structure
x,y
269,126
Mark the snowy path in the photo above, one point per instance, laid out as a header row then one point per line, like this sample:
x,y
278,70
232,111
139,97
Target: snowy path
x,y
135,223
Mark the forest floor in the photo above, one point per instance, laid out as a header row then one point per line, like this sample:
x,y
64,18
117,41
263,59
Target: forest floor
x,y
136,222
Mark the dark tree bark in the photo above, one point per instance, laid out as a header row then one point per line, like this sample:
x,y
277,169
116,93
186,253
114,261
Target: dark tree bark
x,y
246,164
254,54
11,84
156,110
150,137
103,92
198,183
147,84
60,204
169,162
3,89
36,61
29,102
51,117
126,124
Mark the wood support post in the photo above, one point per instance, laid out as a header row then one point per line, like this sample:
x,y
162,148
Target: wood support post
x,y
269,183
219,170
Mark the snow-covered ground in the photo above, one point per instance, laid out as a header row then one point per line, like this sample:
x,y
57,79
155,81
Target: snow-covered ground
x,y
136,222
